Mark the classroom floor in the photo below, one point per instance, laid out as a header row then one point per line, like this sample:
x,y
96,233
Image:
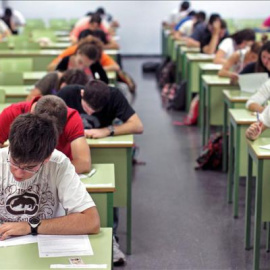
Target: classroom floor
x,y
181,219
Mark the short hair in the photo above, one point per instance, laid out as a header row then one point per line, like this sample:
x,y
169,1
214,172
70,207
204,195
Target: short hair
x,y
201,16
96,94
223,24
32,138
259,65
95,18
8,12
256,47
92,40
89,50
213,18
100,11
185,5
74,76
243,35
192,13
55,108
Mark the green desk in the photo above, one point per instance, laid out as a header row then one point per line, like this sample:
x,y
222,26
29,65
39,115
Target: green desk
x,y
232,99
261,157
117,150
30,78
193,73
56,46
211,102
27,257
101,187
63,39
16,93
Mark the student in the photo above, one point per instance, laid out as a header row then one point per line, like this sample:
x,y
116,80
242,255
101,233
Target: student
x,y
86,58
53,81
238,60
236,41
17,17
103,104
263,62
7,18
71,140
36,180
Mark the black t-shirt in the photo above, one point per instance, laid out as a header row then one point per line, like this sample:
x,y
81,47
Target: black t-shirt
x,y
117,106
249,68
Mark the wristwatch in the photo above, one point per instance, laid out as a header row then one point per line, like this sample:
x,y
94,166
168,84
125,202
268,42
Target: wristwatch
x,y
111,129
34,222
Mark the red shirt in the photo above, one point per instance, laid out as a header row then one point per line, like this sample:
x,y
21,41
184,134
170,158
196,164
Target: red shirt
x,y
72,130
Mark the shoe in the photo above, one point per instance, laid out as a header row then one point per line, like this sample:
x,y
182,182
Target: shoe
x,y
119,257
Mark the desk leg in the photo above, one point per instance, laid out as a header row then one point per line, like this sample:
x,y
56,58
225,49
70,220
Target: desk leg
x,y
236,172
248,203
208,113
258,217
231,162
224,139
110,209
268,237
204,115
129,200
189,90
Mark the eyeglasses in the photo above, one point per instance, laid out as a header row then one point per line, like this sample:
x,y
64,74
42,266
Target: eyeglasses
x,y
30,169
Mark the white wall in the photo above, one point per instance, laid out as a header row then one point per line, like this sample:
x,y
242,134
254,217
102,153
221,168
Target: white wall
x,y
140,20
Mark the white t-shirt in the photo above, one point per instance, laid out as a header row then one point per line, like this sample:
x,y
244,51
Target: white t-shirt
x,y
17,17
187,28
227,46
55,185
3,27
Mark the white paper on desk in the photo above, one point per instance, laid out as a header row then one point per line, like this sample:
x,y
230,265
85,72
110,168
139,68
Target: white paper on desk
x,y
64,245
18,240
80,266
252,82
267,146
97,185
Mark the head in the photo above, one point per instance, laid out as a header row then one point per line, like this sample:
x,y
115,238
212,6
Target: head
x,y
252,54
95,21
213,17
73,76
86,55
100,11
200,16
95,96
8,12
263,63
32,140
184,6
54,108
91,40
244,38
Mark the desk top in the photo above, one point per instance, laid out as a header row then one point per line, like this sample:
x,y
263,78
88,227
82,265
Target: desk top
x,y
185,49
180,42
237,95
34,75
56,46
63,39
16,90
26,256
200,57
210,67
103,180
14,53
242,116
121,141
216,80
255,147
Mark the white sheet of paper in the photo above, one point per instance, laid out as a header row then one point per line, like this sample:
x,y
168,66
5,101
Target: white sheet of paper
x,y
64,245
267,146
252,82
18,240
97,185
81,266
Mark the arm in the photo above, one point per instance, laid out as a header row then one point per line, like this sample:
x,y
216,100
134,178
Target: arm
x,y
225,71
81,158
220,57
86,222
212,46
190,42
132,126
33,93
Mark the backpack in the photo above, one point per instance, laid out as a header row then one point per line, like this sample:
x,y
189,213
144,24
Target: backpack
x,y
124,77
210,157
167,74
164,62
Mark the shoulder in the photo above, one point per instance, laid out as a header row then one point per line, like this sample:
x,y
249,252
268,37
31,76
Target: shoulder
x,y
57,158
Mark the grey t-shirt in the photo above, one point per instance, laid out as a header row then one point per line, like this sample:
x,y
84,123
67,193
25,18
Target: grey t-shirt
x,y
48,84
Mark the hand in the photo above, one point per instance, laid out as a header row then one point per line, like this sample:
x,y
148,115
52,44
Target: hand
x,y
14,228
254,131
96,133
234,78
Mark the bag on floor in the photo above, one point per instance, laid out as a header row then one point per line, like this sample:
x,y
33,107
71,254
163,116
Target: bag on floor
x,y
211,155
167,74
164,62
193,113
150,67
124,77
177,99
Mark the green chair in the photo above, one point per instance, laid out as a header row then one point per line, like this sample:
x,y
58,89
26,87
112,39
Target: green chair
x,y
16,64
11,78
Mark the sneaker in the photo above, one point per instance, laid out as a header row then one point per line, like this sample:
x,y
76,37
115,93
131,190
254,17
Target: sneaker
x,y
119,257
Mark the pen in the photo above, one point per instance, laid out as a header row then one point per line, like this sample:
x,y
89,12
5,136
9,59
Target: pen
x,y
93,171
258,117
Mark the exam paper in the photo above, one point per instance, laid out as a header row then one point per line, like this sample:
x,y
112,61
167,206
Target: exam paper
x,y
64,245
18,240
267,146
80,266
252,82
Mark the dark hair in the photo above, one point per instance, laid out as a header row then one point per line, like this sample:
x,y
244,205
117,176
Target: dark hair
x,y
89,50
55,108
32,138
192,13
98,33
223,24
92,40
245,34
185,5
89,13
256,47
96,94
213,18
259,65
74,76
201,16
100,11
95,18
8,12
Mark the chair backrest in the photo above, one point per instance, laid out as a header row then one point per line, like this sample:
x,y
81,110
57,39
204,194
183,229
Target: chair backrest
x,y
11,78
16,64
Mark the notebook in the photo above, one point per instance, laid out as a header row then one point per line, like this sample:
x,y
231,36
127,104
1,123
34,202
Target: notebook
x,y
252,82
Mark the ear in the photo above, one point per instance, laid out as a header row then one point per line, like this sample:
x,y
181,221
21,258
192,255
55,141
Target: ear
x,y
82,92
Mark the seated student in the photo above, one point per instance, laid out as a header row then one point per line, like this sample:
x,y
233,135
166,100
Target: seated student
x,y
238,60
106,61
7,18
237,41
86,58
103,104
53,81
71,133
263,62
32,170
